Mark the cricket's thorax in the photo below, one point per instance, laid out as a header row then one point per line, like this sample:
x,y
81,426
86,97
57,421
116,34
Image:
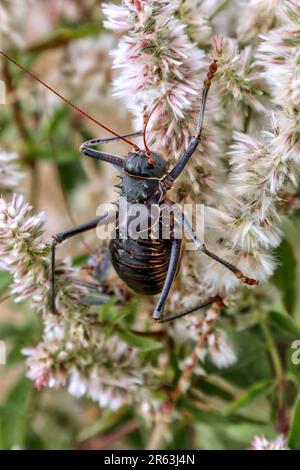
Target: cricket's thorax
x,y
141,260
139,179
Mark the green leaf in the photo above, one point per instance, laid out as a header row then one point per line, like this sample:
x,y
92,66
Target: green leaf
x,y
57,122
106,423
250,395
109,311
25,333
181,438
19,336
214,417
294,435
252,364
5,280
284,323
62,36
14,414
71,174
113,314
65,155
140,342
285,275
212,389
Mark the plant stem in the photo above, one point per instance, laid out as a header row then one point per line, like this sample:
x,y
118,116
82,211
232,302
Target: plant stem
x,y
276,361
19,121
15,105
64,36
157,436
219,8
5,298
272,349
182,384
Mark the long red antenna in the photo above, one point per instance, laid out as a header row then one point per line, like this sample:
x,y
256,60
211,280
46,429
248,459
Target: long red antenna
x,y
69,102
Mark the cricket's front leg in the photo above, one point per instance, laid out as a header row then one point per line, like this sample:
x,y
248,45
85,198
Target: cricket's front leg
x,y
62,236
174,259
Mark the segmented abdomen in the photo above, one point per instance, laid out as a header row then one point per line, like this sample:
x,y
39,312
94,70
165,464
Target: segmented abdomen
x,y
142,264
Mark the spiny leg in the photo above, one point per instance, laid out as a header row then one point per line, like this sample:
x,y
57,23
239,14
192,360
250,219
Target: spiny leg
x,y
180,217
62,236
174,258
194,142
103,156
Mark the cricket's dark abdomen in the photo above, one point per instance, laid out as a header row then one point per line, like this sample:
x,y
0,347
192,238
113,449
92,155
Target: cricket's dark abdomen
x,y
142,264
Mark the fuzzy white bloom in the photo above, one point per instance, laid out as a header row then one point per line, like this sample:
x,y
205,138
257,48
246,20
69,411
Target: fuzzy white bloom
x,y
262,443
258,17
278,54
10,172
26,256
21,247
80,357
195,15
84,71
220,350
146,64
240,84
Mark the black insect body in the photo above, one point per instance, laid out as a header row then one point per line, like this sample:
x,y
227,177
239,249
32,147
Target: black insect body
x,y
143,262
147,264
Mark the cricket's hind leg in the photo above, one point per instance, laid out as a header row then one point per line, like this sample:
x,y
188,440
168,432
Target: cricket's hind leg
x,y
97,267
101,290
99,264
